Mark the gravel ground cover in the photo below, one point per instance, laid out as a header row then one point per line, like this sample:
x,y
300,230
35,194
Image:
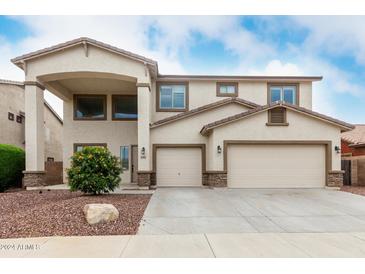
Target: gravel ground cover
x,y
360,190
59,213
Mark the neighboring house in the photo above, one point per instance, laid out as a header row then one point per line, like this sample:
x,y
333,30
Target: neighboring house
x,y
181,130
13,118
353,142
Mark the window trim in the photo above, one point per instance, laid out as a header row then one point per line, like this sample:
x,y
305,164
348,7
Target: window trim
x,y
296,85
90,145
114,96
76,96
270,123
219,84
159,84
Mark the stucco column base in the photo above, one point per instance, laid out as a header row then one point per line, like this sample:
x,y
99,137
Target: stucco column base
x,y
335,178
146,178
34,178
215,178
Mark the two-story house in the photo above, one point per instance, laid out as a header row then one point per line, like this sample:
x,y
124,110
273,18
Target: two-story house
x,y
180,130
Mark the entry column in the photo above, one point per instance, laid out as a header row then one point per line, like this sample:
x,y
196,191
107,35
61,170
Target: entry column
x,y
34,134
146,177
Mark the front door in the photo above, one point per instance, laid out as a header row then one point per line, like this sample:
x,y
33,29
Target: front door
x,y
134,163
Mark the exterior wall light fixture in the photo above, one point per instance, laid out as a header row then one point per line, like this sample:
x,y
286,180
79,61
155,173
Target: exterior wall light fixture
x,y
219,149
143,153
337,149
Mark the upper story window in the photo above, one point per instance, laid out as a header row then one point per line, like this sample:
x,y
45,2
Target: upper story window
x,y
227,89
89,107
286,93
172,97
124,107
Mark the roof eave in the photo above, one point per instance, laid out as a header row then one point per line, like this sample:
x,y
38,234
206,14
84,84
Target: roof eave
x,y
239,77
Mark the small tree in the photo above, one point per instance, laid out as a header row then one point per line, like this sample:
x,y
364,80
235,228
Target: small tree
x,y
94,170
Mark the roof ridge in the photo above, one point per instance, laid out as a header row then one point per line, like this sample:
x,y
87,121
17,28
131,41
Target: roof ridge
x,y
202,109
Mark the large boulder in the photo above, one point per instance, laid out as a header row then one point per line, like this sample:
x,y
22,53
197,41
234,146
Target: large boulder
x,y
100,213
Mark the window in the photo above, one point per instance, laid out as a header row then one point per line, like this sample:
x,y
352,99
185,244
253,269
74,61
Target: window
x,y
172,97
227,89
124,157
287,94
19,119
79,147
11,116
89,107
124,107
277,116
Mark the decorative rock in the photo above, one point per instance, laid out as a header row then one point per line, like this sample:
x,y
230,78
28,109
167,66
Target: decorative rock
x,y
100,213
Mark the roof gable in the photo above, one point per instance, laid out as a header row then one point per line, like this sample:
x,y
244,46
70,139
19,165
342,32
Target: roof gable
x,y
202,109
209,127
84,41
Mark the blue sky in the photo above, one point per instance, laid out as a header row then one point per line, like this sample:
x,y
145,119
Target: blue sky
x,y
333,47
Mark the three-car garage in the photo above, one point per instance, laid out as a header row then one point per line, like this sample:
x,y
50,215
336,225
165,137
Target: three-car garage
x,y
247,164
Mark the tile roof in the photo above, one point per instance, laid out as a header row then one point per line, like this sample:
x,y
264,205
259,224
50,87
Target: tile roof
x,y
202,109
82,40
355,136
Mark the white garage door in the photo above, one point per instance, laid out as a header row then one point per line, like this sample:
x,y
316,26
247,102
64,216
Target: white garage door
x,y
276,166
179,167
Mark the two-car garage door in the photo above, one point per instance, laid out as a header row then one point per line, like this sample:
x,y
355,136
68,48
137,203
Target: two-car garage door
x,y
276,166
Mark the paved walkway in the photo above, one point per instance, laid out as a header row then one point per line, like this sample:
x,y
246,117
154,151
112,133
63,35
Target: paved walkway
x,y
194,245
202,210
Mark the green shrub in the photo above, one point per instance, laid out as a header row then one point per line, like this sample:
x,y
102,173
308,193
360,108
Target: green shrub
x,y
94,170
12,164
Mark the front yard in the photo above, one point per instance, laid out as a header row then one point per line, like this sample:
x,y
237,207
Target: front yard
x,y
60,213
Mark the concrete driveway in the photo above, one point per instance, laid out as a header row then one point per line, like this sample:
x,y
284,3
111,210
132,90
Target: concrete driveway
x,y
202,210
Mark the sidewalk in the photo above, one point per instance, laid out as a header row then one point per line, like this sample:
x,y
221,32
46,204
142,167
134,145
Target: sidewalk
x,y
195,245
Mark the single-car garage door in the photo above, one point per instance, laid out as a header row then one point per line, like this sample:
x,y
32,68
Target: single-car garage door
x,y
179,166
276,166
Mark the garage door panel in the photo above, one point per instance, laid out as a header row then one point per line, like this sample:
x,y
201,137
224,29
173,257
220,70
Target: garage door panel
x,y
179,167
276,166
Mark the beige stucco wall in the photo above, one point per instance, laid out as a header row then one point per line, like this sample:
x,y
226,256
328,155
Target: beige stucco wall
x,y
53,136
204,92
187,131
75,60
114,133
11,100
301,127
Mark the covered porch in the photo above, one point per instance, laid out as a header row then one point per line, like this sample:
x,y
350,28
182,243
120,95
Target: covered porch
x,y
100,86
